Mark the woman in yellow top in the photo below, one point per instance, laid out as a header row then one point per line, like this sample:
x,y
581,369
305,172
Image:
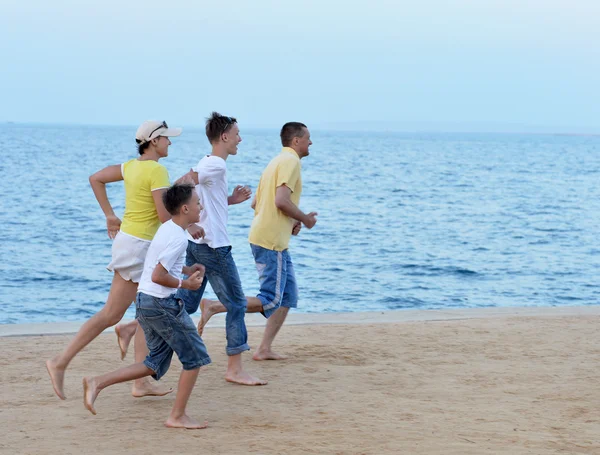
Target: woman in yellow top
x,y
145,182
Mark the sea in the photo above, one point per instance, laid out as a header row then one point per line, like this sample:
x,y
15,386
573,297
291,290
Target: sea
x,y
406,220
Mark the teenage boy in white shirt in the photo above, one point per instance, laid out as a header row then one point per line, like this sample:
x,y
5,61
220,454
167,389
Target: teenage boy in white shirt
x,y
213,250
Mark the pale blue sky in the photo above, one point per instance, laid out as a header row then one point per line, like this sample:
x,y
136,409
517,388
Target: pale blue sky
x,y
463,64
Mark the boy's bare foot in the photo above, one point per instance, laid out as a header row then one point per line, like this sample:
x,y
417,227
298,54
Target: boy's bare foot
x,y
144,388
206,308
124,337
185,422
90,392
268,355
244,379
57,376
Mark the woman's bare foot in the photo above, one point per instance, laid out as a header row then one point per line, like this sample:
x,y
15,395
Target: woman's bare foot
x,y
268,355
124,336
185,421
144,388
90,392
244,379
207,308
57,376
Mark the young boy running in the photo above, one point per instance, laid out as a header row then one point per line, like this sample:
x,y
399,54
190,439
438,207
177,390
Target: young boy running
x,y
167,326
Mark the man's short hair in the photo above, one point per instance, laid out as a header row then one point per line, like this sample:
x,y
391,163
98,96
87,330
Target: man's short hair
x,y
218,124
176,196
291,130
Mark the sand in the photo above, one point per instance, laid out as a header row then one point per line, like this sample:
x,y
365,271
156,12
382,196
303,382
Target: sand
x,y
475,382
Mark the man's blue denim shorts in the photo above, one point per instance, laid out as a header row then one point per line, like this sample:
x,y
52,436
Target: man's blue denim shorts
x,y
168,328
277,279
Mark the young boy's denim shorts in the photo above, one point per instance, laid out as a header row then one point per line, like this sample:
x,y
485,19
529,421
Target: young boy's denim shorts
x,y
277,279
168,328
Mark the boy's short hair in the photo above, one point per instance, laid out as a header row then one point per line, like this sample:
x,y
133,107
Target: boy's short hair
x,y
291,130
176,196
218,124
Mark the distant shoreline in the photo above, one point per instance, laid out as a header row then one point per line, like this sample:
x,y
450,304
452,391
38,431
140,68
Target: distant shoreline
x,y
366,127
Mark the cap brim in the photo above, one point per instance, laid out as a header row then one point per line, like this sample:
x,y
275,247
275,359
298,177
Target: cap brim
x,y
171,132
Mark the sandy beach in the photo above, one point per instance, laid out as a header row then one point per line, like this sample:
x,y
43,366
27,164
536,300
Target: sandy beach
x,y
497,381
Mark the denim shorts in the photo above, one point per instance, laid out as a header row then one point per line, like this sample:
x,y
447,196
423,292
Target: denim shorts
x,y
222,274
277,279
168,328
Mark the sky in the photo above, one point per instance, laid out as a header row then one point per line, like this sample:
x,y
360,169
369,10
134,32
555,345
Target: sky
x,y
464,65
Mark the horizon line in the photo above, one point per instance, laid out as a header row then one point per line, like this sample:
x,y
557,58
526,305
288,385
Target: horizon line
x,y
345,127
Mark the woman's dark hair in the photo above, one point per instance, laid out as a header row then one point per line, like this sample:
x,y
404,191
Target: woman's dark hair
x,y
218,124
142,147
176,196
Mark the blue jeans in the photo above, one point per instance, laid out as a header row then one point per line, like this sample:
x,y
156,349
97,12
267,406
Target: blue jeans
x,y
223,276
168,328
277,279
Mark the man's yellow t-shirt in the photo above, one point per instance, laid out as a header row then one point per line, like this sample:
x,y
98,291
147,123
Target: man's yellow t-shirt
x,y
271,228
141,178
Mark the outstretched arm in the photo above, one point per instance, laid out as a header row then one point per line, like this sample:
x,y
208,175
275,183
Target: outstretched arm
x,y
98,182
190,177
239,195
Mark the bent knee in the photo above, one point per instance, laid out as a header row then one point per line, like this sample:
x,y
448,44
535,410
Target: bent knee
x,y
110,318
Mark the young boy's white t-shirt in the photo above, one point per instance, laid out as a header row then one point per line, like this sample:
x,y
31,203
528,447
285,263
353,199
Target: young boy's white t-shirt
x,y
167,248
213,194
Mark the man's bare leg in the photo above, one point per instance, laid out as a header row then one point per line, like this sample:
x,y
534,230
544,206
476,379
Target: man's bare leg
x,y
211,307
93,385
274,323
121,294
145,386
178,418
236,373
125,333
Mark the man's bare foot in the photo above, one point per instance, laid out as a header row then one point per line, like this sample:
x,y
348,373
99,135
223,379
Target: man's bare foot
x,y
186,422
90,392
244,379
207,309
144,388
124,336
57,376
268,355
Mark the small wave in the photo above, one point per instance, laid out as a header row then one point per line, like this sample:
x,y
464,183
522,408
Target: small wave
x,y
423,270
395,303
61,278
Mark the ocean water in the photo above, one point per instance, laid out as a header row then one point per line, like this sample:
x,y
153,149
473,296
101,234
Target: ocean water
x,y
405,220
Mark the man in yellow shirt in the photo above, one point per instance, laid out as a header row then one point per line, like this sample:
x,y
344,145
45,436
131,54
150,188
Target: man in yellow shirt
x,y
276,218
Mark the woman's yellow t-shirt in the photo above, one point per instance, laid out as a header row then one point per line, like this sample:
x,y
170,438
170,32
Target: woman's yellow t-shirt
x,y
141,179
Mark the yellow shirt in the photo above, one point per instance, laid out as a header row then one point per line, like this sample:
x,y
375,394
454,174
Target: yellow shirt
x,y
271,228
141,178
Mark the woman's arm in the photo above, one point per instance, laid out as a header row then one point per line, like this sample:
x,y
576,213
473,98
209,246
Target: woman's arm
x,y
98,182
163,215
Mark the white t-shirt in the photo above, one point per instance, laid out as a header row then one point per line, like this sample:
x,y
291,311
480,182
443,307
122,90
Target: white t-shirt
x,y
213,193
167,248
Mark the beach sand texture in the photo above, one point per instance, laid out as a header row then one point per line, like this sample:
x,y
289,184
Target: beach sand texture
x,y
497,385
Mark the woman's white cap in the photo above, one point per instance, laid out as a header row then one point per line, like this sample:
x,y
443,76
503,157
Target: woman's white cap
x,y
151,129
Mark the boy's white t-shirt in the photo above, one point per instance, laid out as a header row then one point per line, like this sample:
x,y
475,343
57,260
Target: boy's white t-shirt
x,y
213,194
167,248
